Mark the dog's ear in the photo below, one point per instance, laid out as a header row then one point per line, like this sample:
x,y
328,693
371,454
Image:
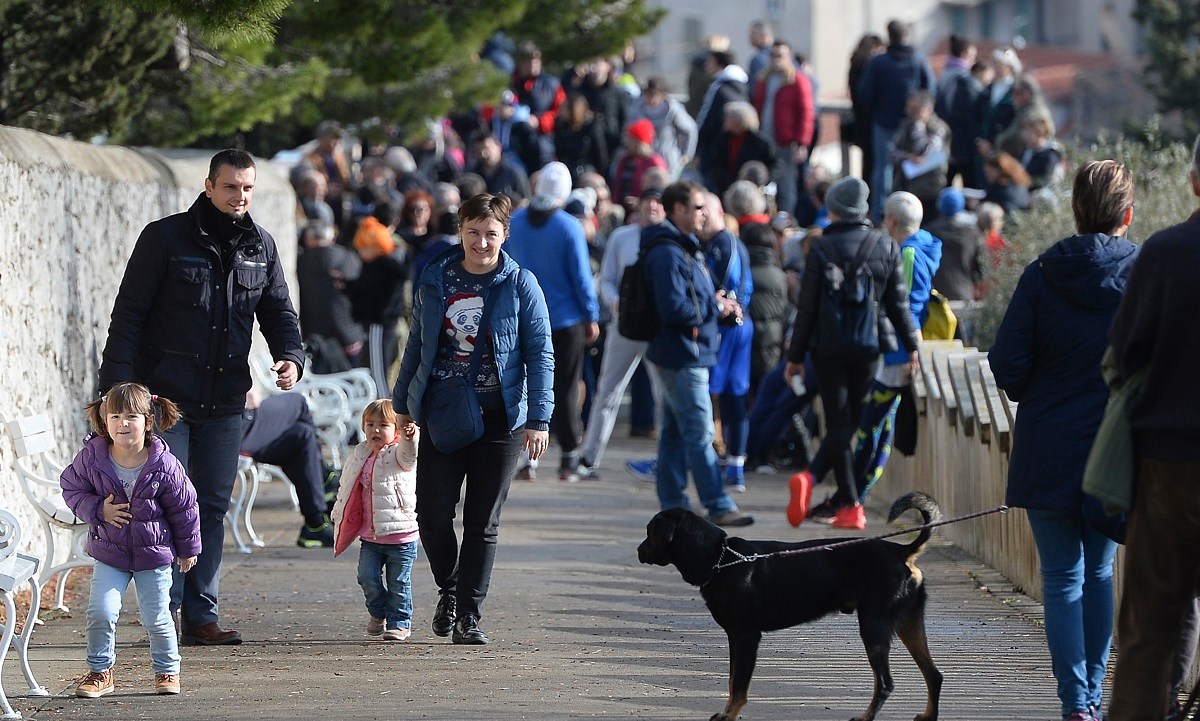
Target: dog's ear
x,y
661,528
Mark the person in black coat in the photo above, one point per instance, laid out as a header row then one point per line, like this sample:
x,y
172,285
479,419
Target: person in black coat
x,y
322,270
739,143
579,140
728,85
182,324
843,382
1047,358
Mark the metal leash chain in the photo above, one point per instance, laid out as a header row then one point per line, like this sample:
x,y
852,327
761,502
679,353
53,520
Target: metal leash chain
x,y
739,558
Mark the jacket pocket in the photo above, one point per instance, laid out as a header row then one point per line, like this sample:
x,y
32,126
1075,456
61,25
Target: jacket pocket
x,y
189,282
251,278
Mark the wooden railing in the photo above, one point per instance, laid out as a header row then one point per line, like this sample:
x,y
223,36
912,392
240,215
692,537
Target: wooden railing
x,y
964,438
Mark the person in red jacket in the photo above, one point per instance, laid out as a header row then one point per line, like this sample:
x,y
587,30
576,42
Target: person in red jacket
x,y
783,97
633,162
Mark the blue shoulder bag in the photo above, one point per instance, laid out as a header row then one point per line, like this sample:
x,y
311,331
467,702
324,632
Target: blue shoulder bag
x,y
453,417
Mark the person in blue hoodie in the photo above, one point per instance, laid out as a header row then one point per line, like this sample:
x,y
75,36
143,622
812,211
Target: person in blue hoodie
x,y
683,350
549,242
1047,358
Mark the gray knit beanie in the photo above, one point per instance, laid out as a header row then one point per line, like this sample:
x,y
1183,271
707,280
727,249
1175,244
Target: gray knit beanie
x,y
847,199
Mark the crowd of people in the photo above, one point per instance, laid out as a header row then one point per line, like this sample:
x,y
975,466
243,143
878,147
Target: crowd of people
x,y
488,283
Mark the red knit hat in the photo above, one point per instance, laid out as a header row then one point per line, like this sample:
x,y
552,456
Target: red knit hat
x,y
642,131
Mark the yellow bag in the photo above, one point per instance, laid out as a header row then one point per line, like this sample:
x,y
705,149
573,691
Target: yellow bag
x,y
940,321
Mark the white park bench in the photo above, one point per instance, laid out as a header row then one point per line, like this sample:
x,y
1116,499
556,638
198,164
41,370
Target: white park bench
x,y
37,472
16,570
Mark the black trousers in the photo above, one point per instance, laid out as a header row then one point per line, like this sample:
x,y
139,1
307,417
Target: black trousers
x,y
488,466
282,433
569,344
843,387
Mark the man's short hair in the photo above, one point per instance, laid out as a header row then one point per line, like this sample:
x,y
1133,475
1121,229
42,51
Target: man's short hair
x,y
898,32
679,193
723,58
232,157
385,213
960,45
744,198
321,229
1102,193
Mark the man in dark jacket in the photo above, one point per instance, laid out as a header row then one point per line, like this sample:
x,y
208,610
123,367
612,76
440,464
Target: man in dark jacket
x,y
503,177
889,79
182,324
322,270
957,96
1151,333
683,350
728,84
843,381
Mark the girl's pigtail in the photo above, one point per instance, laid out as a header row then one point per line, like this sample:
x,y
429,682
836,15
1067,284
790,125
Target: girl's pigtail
x,y
95,416
166,413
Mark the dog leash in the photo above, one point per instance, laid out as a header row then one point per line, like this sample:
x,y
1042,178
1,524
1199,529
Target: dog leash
x,y
740,558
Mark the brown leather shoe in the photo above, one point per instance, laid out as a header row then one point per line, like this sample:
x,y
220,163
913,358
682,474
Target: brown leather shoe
x,y
210,634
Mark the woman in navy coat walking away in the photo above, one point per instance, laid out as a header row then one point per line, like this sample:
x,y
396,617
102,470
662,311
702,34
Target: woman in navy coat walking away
x,y
1047,358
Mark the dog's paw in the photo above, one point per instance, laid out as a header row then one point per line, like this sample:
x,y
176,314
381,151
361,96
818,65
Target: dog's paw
x,y
722,717
925,717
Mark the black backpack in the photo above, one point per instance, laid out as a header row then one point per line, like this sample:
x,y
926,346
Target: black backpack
x,y
848,324
637,314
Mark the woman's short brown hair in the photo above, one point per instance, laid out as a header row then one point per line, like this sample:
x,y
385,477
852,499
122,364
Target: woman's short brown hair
x,y
486,205
1103,192
381,409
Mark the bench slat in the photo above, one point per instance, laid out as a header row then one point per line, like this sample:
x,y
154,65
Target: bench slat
x,y
30,425
956,367
30,445
983,415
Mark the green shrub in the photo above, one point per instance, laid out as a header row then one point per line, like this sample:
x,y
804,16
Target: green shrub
x,y
1164,198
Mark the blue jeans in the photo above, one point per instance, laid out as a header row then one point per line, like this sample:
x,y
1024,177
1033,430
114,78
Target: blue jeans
x,y
881,172
208,449
385,574
686,442
104,606
1077,588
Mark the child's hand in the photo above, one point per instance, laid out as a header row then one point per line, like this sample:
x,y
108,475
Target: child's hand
x,y
116,513
186,564
406,425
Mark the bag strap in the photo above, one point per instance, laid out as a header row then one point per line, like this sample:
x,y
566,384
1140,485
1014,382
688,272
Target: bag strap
x,y
864,252
485,320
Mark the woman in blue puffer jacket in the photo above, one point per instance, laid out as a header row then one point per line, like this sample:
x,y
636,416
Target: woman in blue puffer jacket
x,y
473,291
1047,357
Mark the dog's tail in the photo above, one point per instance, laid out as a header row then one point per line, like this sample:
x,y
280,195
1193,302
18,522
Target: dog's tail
x,y
923,504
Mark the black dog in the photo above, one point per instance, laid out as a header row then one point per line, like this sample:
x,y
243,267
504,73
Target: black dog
x,y
746,596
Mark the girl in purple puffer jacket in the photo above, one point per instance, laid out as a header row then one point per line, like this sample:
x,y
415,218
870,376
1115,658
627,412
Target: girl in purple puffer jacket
x,y
142,511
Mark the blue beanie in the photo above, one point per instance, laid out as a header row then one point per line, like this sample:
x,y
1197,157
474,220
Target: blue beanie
x,y
950,201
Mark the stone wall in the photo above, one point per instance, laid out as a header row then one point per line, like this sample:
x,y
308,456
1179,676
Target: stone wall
x,y
69,216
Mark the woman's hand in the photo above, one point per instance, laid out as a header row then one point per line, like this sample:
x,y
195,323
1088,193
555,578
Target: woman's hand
x,y
116,513
406,425
536,443
186,564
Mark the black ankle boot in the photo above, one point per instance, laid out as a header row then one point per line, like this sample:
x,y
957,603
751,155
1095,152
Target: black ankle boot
x,y
467,630
443,617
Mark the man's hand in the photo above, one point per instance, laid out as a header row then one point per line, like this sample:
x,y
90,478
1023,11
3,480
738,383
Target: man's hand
x,y
116,514
793,369
406,425
800,153
186,564
914,364
728,306
536,443
287,373
593,333
252,399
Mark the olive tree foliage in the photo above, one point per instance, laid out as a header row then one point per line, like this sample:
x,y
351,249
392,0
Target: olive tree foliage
x,y
1172,36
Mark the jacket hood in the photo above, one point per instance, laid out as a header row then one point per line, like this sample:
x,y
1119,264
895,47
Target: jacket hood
x,y
731,73
667,229
926,244
1089,270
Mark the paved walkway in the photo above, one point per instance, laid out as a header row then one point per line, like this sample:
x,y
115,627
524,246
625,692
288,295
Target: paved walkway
x,y
579,629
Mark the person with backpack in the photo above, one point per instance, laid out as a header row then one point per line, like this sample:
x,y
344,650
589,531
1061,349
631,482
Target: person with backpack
x,y
853,278
920,254
687,307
